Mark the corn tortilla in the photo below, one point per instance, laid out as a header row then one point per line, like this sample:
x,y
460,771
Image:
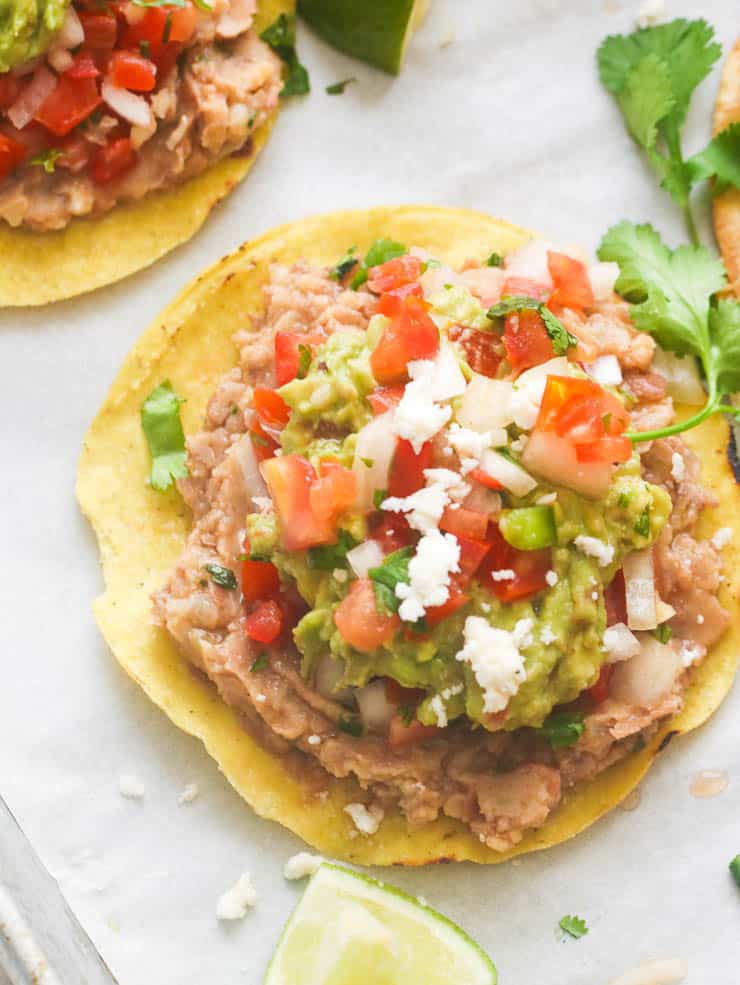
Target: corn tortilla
x,y
727,205
142,533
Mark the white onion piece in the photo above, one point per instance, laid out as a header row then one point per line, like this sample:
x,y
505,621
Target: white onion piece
x,y
376,443
484,406
682,377
530,261
254,484
603,276
647,677
133,108
329,673
639,584
482,499
72,32
554,458
434,278
376,710
32,98
620,643
605,370
511,476
59,59
365,556
445,378
485,283
671,971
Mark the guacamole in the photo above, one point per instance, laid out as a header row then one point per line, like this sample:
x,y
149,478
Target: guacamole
x,y
27,28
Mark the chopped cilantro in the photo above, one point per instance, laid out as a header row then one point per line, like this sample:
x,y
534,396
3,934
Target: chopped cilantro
x,y
381,251
260,662
331,556
258,439
343,266
494,260
606,421
337,88
407,713
624,499
145,49
47,159
304,360
352,726
160,421
672,298
394,569
735,869
663,632
561,338
513,303
642,524
562,729
368,462
378,496
222,576
167,28
574,926
280,36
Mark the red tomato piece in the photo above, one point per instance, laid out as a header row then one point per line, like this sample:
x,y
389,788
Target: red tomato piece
x,y
439,613
265,623
472,553
410,335
129,70
288,351
71,102
600,690
113,160
358,620
83,66
607,449
526,340
263,443
395,274
101,30
12,153
385,398
571,284
260,580
271,409
163,28
334,492
514,287
485,479
483,350
289,479
10,89
586,415
400,735
616,600
392,532
406,474
397,694
464,523
529,567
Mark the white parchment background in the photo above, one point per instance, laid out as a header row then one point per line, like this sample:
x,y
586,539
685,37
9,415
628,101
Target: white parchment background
x,y
510,119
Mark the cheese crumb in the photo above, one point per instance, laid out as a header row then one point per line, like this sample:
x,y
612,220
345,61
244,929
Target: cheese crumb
x,y
700,619
340,575
595,548
690,652
437,706
365,819
678,467
546,634
469,444
313,740
551,578
235,902
721,538
503,574
437,557
419,416
495,658
301,865
189,794
425,507
130,786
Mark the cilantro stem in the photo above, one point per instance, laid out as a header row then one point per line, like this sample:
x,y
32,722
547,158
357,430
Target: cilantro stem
x,y
691,224
712,405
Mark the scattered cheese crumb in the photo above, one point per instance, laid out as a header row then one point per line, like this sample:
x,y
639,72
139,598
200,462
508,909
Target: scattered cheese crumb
x,y
547,499
595,548
419,416
261,698
437,707
700,619
690,652
437,556
425,507
485,607
235,902
721,538
678,467
503,574
313,740
467,443
365,819
189,794
650,13
495,658
547,635
130,786
594,596
301,865
340,575
551,578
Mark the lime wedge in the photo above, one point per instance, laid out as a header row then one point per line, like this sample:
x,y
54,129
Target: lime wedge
x,y
376,31
349,929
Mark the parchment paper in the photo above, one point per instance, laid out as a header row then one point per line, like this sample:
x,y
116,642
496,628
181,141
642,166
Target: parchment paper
x,y
507,117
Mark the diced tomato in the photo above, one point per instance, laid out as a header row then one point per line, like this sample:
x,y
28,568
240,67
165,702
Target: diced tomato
x,y
260,579
163,28
605,450
10,89
385,398
272,411
529,567
70,102
392,532
113,160
406,474
524,287
289,478
410,335
526,340
397,694
265,623
12,153
483,350
358,620
600,690
485,479
101,30
263,443
586,415
334,492
289,347
439,613
472,553
83,66
399,273
616,600
400,735
129,70
464,523
572,287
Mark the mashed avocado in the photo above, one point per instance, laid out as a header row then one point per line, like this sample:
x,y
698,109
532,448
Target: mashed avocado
x,y
27,28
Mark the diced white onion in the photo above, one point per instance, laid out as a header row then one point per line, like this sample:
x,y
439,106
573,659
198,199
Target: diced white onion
x,y
329,673
434,278
59,59
639,583
682,377
509,474
484,406
671,971
552,457
375,709
376,444
365,556
254,484
72,32
603,276
131,107
530,261
647,677
32,98
605,370
620,643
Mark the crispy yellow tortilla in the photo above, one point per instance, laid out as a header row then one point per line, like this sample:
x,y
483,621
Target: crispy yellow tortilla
x,y
38,267
727,205
142,533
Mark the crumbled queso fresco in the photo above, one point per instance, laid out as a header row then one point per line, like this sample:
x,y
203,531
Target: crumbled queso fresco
x,y
235,902
602,552
365,819
496,659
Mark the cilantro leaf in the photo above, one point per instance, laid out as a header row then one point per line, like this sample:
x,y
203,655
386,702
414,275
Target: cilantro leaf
x,y
642,524
47,159
646,99
260,662
381,251
663,632
724,328
331,556
344,265
575,926
562,729
735,869
561,338
337,88
224,577
495,260
352,726
516,302
280,36
304,360
394,569
160,421
720,159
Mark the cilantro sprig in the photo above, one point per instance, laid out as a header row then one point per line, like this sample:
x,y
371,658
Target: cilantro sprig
x,y
562,729
394,569
561,338
280,36
575,926
672,294
160,421
653,73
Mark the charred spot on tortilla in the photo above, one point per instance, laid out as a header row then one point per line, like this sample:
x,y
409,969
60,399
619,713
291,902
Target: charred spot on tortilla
x,y
733,457
428,699
667,739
